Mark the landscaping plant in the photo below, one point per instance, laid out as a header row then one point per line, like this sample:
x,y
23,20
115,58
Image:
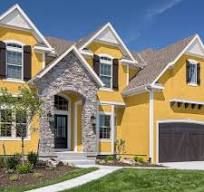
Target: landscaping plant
x,y
119,148
26,106
32,158
24,168
13,161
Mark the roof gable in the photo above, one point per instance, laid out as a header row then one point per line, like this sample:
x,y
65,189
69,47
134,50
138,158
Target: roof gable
x,y
106,34
17,18
58,59
159,61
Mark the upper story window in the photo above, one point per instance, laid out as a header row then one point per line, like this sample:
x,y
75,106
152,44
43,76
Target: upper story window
x,y
106,71
193,73
14,61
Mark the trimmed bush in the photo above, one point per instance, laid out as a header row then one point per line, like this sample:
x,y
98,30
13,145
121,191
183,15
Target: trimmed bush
x,y
2,162
33,158
24,168
13,161
139,159
109,158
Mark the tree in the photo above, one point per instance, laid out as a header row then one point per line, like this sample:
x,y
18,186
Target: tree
x,y
25,106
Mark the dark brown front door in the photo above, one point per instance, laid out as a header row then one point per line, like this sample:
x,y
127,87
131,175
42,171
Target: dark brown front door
x,y
181,142
60,131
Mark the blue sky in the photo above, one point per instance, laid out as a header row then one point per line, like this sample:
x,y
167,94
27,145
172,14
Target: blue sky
x,y
140,23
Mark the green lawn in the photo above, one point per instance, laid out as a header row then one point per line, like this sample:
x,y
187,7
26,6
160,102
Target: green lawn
x,y
138,180
71,174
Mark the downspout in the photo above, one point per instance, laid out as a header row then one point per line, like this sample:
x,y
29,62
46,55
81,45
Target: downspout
x,y
151,122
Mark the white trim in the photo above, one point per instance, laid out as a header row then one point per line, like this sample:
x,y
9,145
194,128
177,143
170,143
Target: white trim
x,y
113,128
43,60
105,153
110,114
194,63
37,32
108,25
111,103
151,124
86,53
41,49
106,89
15,49
128,75
68,113
169,65
171,121
76,104
83,61
187,101
136,90
143,88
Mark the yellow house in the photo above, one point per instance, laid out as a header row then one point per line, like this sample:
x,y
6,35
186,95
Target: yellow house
x,y
96,91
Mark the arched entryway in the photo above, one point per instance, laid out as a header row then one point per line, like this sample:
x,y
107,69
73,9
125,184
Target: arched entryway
x,y
62,122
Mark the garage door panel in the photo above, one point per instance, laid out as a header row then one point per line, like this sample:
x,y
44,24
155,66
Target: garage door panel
x,y
181,142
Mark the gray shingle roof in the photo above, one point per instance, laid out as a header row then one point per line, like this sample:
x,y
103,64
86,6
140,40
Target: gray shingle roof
x,y
156,61
60,45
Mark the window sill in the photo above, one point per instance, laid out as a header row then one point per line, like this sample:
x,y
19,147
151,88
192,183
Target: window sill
x,y
105,140
14,139
106,89
14,80
193,84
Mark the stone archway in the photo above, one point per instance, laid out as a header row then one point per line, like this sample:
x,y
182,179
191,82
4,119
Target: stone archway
x,y
67,75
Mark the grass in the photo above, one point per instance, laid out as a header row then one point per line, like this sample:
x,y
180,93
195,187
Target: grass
x,y
140,180
71,174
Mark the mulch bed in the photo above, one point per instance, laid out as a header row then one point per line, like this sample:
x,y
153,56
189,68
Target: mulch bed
x,y
121,164
37,176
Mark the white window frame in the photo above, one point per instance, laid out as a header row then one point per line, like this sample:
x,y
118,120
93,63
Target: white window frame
x,y
193,63
111,128
106,62
15,49
13,128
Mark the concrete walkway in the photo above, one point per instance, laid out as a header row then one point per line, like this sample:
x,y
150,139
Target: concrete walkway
x,y
191,165
78,181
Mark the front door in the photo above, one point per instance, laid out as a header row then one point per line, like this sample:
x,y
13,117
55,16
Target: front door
x,y
61,131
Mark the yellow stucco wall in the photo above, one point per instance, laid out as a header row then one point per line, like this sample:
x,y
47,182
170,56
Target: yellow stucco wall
x,y
13,146
133,125
174,81
98,48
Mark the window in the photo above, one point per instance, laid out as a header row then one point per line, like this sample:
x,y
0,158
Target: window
x,y
21,120
12,124
105,126
61,103
106,71
14,61
192,73
6,123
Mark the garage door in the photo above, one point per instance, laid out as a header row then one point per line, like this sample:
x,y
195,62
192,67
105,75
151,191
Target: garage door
x,y
181,142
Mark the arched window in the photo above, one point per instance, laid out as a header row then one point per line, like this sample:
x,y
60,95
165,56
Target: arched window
x,y
106,71
61,103
14,61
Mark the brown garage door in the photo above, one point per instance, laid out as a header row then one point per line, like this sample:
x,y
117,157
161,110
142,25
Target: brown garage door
x,y
181,142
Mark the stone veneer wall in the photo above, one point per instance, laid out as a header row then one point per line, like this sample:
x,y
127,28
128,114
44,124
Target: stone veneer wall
x,y
68,75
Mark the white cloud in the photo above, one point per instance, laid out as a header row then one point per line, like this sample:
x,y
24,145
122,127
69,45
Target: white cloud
x,y
162,8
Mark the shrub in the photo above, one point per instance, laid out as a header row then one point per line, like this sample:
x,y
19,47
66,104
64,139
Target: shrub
x,y
13,177
24,168
109,158
2,162
33,158
13,161
139,159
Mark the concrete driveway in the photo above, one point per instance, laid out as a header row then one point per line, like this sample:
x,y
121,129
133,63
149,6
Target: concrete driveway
x,y
192,165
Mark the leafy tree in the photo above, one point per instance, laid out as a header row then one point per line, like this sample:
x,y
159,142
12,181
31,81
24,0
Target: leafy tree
x,y
26,106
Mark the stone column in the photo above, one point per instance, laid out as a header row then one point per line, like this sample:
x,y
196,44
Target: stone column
x,y
88,133
46,146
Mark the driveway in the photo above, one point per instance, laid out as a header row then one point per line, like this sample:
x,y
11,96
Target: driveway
x,y
191,165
